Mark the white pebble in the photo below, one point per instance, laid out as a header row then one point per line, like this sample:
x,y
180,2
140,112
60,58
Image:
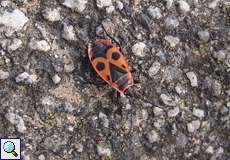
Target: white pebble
x,y
56,79
153,136
76,5
104,3
25,77
173,41
68,32
154,12
16,120
139,49
198,113
52,15
171,22
213,4
154,69
193,126
204,35
39,45
193,79
16,43
4,75
15,19
173,112
183,6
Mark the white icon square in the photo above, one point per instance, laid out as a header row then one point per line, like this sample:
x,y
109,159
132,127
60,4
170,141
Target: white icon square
x,y
10,149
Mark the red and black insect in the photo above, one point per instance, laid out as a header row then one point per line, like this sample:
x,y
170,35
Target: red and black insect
x,y
110,64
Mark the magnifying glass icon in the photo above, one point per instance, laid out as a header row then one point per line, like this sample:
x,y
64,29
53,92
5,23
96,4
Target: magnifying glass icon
x,y
9,147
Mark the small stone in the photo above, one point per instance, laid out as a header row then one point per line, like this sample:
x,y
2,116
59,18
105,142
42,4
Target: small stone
x,y
171,22
157,111
169,3
16,43
42,45
139,49
103,150
68,68
198,113
216,88
154,12
193,126
181,90
153,136
224,110
172,73
204,35
76,5
110,9
182,140
41,157
16,120
79,147
52,15
193,79
168,100
228,104
68,107
183,6
220,55
154,69
209,150
173,112
119,5
104,3
26,78
68,33
15,19
104,118
173,41
213,4
56,79
4,75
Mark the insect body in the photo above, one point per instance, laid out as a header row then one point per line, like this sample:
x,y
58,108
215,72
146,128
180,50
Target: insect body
x,y
110,64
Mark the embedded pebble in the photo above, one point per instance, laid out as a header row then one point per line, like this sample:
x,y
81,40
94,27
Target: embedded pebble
x,y
15,19
220,55
153,136
79,147
119,5
157,111
213,4
198,113
171,22
193,79
104,119
181,90
103,150
41,157
154,69
42,45
4,75
110,9
56,79
52,15
193,126
204,35
76,5
183,6
104,3
139,49
27,78
173,41
68,32
169,3
173,112
168,100
16,43
209,150
154,12
17,121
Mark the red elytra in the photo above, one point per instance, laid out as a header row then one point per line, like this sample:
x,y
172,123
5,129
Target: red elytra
x,y
110,64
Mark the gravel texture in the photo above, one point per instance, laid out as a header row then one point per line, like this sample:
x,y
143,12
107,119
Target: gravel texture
x,y
179,54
